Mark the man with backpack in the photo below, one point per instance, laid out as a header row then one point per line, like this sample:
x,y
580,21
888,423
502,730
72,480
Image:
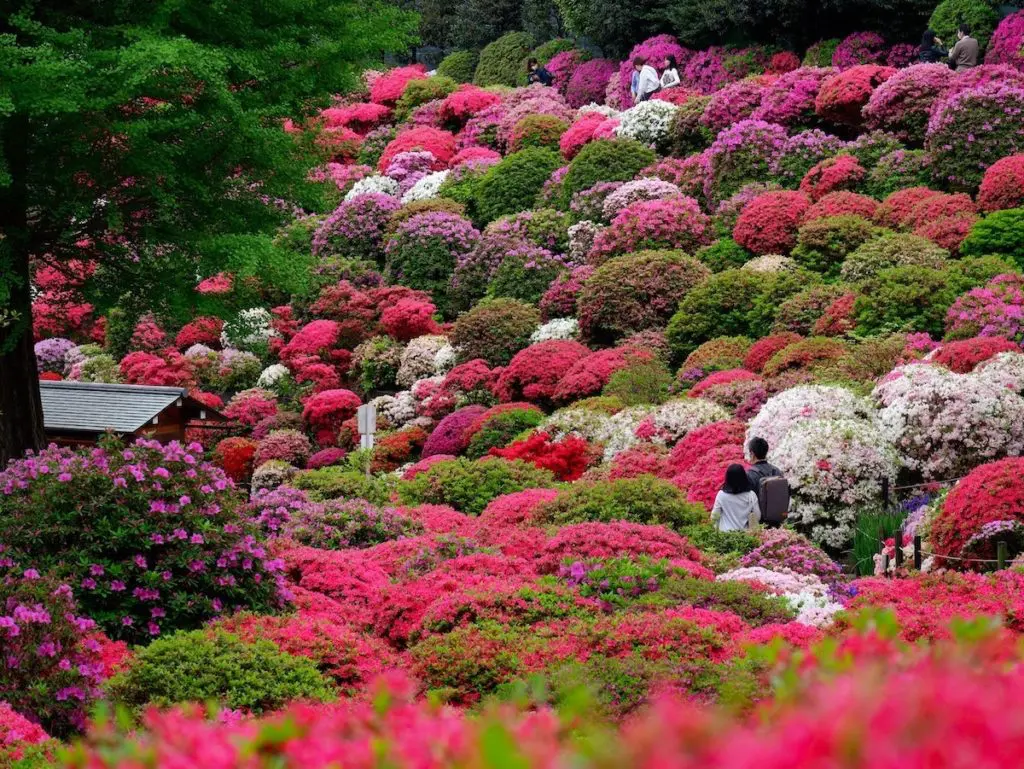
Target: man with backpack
x,y
769,484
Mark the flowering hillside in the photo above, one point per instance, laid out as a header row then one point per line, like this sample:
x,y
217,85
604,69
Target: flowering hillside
x,y
571,315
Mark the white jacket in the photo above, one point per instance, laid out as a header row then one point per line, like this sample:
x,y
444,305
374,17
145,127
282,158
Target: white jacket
x,y
670,78
649,82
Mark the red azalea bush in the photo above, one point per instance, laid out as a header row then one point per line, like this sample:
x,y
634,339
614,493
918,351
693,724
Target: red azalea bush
x,y
250,407
896,209
567,458
424,464
901,104
948,231
325,412
670,223
838,318
392,450
235,456
842,172
718,378
450,436
642,459
361,117
534,373
990,493
618,539
589,82
318,341
769,223
169,369
964,355
16,731
326,457
509,512
839,203
148,335
1003,185
579,133
388,87
700,442
408,319
843,96
204,330
763,349
703,480
938,206
441,144
458,107
289,446
783,62
559,301
589,375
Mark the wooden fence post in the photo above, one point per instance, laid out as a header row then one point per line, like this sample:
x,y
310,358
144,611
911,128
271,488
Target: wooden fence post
x,y
899,548
1001,554
917,553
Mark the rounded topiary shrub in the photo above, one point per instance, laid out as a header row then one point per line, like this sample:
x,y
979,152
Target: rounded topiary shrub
x,y
459,66
200,666
636,292
137,529
645,500
543,131
1001,233
902,103
731,303
501,62
607,160
892,249
981,15
1003,184
512,185
723,254
470,485
961,155
799,313
904,299
525,273
495,331
498,428
419,92
823,244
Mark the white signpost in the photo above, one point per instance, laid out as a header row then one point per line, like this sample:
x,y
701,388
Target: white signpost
x,y
366,417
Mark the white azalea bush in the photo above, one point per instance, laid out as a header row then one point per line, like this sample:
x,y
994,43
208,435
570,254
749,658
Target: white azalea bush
x,y
418,359
783,412
834,467
945,424
426,188
249,330
556,329
635,191
648,122
671,422
396,410
806,594
383,185
770,263
1006,369
273,376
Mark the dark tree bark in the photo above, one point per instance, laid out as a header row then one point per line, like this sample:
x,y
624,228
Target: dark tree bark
x,y
21,410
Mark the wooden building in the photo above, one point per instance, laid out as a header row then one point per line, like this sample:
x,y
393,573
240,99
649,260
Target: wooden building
x,y
78,413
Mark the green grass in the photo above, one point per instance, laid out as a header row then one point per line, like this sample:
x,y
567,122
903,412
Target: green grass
x,y
872,527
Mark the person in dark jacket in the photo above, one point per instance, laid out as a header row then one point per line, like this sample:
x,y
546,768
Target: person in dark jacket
x,y
762,468
537,74
931,51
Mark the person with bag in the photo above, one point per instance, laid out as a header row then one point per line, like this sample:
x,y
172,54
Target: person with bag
x,y
735,507
769,485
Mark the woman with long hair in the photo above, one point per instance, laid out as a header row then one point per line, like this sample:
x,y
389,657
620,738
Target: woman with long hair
x,y
736,507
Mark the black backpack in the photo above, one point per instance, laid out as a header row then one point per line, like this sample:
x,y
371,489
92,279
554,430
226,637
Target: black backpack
x,y
773,499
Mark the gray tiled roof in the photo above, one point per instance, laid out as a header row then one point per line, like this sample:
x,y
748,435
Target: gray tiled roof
x,y
94,408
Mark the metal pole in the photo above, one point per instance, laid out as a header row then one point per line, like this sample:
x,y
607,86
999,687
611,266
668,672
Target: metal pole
x,y
899,548
917,553
1001,554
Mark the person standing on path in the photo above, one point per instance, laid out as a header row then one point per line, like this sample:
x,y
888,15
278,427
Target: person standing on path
x,y
735,507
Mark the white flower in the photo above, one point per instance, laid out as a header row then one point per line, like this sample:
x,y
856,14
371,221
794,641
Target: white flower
x,y
398,409
581,240
799,404
250,328
674,420
1006,369
426,188
418,359
621,430
805,594
601,109
648,122
583,422
559,328
199,351
833,467
272,376
637,190
770,263
373,184
445,359
945,424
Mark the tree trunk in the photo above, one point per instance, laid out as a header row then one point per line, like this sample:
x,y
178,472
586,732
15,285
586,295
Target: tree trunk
x,y
21,410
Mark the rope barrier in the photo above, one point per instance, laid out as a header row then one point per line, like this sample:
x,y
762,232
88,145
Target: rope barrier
x,y
930,483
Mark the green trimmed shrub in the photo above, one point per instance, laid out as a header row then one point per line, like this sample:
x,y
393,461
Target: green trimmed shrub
x,y
740,598
198,666
801,311
512,185
719,354
501,62
342,482
731,303
972,271
544,52
904,299
459,66
470,485
541,131
421,91
892,249
1001,233
723,254
823,244
606,160
376,363
644,499
495,330
640,383
502,429
525,275
636,292
949,14
688,134
820,54
708,538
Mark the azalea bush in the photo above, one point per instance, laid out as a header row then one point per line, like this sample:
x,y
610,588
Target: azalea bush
x,y
157,540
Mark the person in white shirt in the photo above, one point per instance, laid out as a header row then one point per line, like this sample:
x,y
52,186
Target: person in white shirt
x,y
649,83
736,507
670,77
